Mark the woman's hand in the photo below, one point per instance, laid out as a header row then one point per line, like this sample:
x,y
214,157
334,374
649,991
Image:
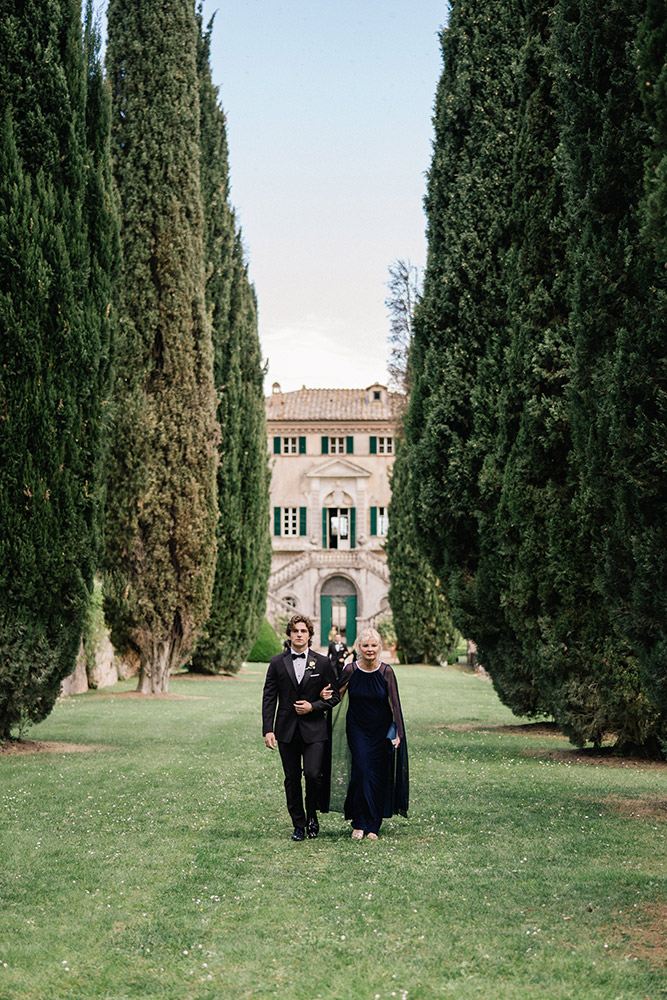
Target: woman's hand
x,y
396,742
326,694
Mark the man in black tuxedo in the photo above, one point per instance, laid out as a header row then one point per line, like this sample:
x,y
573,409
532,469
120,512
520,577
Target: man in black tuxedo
x,y
337,654
294,682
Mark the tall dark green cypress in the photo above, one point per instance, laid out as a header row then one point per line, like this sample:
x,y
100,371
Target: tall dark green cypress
x,y
547,507
419,605
57,250
244,602
244,543
161,546
589,672
460,326
103,223
635,568
648,604
533,435
652,59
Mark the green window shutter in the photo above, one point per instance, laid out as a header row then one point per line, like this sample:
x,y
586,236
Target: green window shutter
x,y
374,445
353,527
374,520
325,445
302,446
276,446
302,520
324,527
349,446
276,520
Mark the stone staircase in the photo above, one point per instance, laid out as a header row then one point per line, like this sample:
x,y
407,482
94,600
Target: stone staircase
x,y
350,559
290,570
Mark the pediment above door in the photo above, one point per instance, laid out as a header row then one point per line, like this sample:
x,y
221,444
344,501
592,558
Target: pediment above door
x,y
337,468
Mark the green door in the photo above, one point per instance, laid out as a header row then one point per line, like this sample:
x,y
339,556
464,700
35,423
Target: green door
x,y
349,627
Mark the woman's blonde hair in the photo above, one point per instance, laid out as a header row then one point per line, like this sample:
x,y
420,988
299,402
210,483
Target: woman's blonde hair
x,y
369,633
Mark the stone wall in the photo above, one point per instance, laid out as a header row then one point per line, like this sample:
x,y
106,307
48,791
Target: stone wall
x,y
107,669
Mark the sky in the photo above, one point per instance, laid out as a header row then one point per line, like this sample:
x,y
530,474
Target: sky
x,y
329,107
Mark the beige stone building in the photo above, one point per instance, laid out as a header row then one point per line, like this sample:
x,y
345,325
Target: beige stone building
x,y
332,451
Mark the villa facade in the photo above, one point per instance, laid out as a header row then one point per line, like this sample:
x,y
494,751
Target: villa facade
x,y
332,451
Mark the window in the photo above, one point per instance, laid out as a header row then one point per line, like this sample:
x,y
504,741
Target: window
x,y
338,445
289,446
379,521
289,521
377,394
385,446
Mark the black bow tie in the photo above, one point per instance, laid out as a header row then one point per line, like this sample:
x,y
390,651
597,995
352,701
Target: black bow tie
x,y
298,656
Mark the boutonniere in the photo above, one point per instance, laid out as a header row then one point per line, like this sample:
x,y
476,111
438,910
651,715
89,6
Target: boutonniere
x,y
310,665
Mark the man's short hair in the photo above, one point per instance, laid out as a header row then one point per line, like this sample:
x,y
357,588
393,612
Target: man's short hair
x,y
307,622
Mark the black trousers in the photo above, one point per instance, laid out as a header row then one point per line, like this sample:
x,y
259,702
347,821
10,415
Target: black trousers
x,y
312,755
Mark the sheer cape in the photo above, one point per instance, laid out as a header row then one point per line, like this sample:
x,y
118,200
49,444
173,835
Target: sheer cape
x,y
398,790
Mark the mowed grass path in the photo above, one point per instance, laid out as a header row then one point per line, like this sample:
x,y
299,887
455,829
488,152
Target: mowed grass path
x,y
157,864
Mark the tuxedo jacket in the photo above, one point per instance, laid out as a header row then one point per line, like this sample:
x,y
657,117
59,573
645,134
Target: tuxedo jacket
x,y
281,691
337,654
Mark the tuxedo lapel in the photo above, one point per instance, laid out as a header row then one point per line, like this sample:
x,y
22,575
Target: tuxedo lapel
x,y
289,667
308,677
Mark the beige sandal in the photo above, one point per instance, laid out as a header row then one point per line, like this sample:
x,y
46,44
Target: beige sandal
x,y
357,834
371,836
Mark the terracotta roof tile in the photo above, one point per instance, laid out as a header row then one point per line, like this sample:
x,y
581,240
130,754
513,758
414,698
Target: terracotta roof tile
x,y
334,404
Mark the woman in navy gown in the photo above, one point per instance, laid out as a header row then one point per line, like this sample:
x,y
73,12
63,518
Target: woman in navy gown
x,y
376,738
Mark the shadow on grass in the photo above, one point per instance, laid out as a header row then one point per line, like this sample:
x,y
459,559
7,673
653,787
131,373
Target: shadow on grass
x,y
47,746
605,755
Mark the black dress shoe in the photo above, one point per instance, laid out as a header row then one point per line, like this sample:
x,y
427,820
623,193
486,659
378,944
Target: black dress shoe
x,y
313,828
299,833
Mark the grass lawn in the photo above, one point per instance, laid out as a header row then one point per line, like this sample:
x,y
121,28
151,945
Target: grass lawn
x,y
152,861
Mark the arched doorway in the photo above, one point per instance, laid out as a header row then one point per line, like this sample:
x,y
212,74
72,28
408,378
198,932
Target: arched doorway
x,y
338,606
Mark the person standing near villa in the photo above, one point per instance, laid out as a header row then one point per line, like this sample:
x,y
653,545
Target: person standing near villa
x,y
337,654
379,781
294,719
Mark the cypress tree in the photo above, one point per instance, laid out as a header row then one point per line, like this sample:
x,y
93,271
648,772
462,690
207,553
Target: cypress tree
x,y
244,602
460,325
648,605
635,569
162,506
533,440
420,609
589,672
652,58
244,543
104,240
57,247
548,504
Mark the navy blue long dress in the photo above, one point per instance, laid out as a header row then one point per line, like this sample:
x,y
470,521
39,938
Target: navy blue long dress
x,y
378,778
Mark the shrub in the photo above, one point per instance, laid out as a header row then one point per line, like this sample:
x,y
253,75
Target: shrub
x,y
266,645
385,626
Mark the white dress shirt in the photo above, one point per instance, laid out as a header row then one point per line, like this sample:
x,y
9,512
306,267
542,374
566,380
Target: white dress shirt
x,y
299,664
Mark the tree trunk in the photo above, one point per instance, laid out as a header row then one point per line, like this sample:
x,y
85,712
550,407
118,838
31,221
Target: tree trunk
x,y
157,662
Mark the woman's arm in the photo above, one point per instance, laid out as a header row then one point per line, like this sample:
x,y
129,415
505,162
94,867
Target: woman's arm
x,y
394,702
